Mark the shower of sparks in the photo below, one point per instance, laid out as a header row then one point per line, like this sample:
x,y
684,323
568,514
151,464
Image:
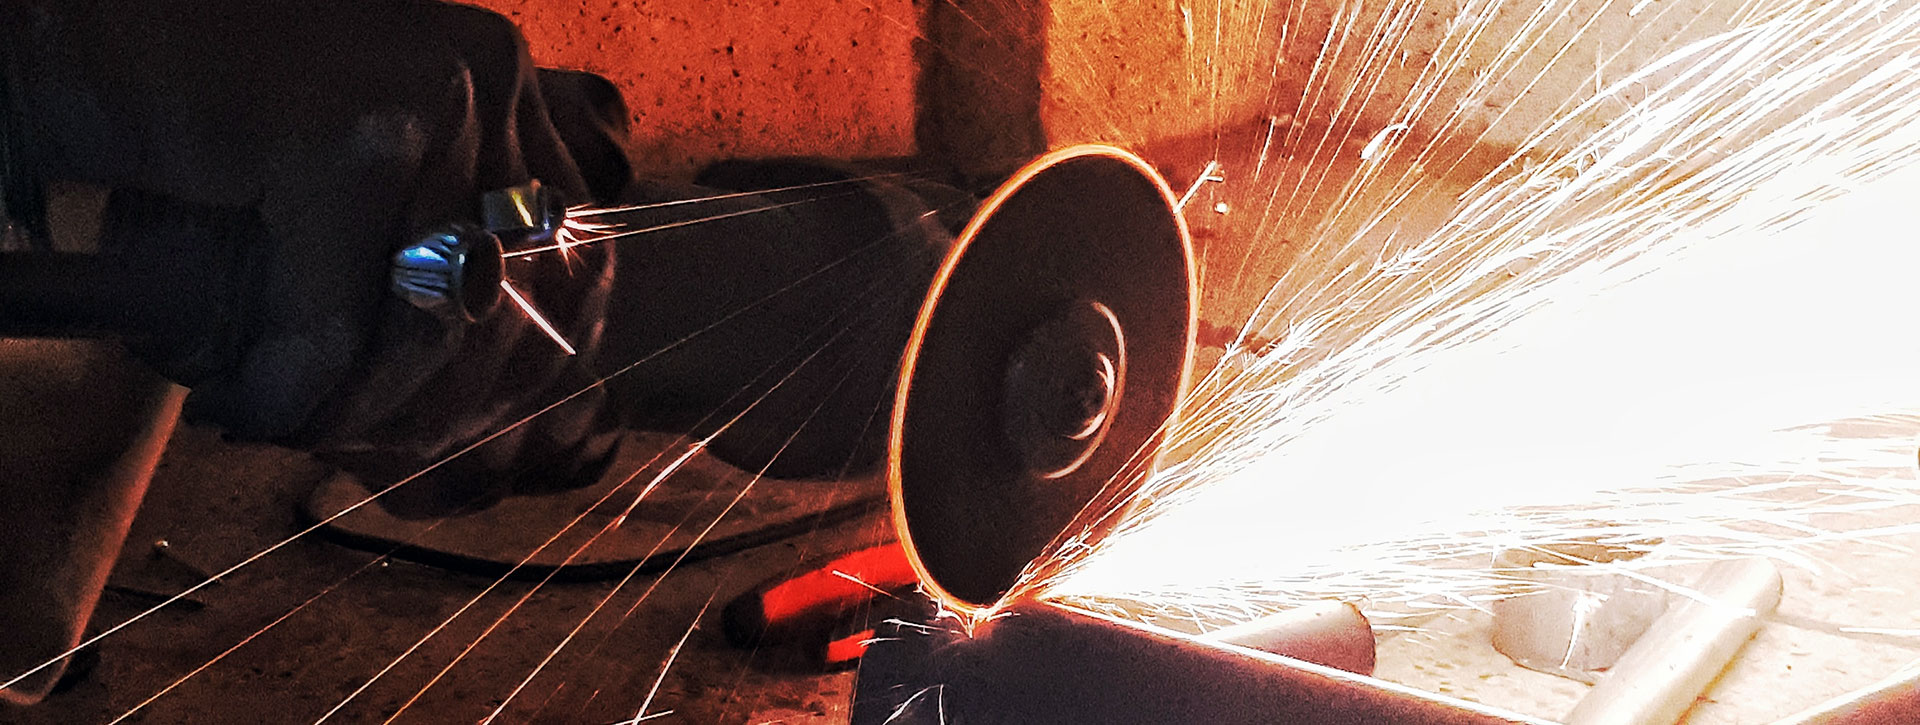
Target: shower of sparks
x,y
602,232
1692,322
576,231
534,314
447,621
598,606
831,329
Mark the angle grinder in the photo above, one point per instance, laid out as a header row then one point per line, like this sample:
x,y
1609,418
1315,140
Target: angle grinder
x,y
1046,364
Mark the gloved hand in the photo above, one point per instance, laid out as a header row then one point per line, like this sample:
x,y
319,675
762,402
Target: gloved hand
x,y
268,158
265,160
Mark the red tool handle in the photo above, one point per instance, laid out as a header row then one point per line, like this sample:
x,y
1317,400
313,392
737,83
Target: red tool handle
x,y
811,604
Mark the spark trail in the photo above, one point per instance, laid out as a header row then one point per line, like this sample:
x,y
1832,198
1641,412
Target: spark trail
x,y
834,328
1690,323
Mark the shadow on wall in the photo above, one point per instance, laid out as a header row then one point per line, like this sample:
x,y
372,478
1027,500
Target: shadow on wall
x,y
956,80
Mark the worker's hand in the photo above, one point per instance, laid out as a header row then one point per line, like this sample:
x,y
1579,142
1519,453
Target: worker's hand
x,y
312,138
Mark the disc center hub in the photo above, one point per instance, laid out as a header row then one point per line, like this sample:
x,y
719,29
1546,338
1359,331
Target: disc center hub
x,y
1063,383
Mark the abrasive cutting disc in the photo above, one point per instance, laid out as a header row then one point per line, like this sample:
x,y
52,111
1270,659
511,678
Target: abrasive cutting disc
x,y
1048,358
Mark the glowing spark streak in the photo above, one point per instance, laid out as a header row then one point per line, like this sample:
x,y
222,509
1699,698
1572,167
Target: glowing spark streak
x,y
555,652
543,582
242,643
1186,27
644,704
1380,141
940,690
585,211
1389,26
538,319
924,628
1210,173
1882,630
1485,83
1426,90
856,580
575,232
616,590
1319,80
670,225
502,579
376,561
643,597
616,522
1265,145
528,595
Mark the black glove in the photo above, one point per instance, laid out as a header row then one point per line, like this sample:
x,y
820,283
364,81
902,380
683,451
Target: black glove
x,y
268,159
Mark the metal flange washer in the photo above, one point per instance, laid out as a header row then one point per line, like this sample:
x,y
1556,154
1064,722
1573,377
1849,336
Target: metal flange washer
x,y
1047,361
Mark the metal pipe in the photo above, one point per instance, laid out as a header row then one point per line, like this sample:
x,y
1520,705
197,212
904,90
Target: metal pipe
x,y
1661,675
1334,634
1039,662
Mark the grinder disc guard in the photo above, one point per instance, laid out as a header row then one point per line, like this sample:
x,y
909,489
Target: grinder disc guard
x,y
1050,354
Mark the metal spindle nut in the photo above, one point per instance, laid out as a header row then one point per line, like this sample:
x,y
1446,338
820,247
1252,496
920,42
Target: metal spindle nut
x,y
453,272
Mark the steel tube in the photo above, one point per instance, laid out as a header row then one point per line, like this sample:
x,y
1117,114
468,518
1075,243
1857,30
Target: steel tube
x,y
1661,675
1037,662
1334,634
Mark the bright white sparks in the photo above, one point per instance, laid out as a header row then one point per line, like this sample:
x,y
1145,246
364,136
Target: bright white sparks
x,y
538,319
1695,324
1380,141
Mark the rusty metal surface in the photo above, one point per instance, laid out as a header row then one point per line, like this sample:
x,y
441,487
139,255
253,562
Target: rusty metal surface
x,y
1035,662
